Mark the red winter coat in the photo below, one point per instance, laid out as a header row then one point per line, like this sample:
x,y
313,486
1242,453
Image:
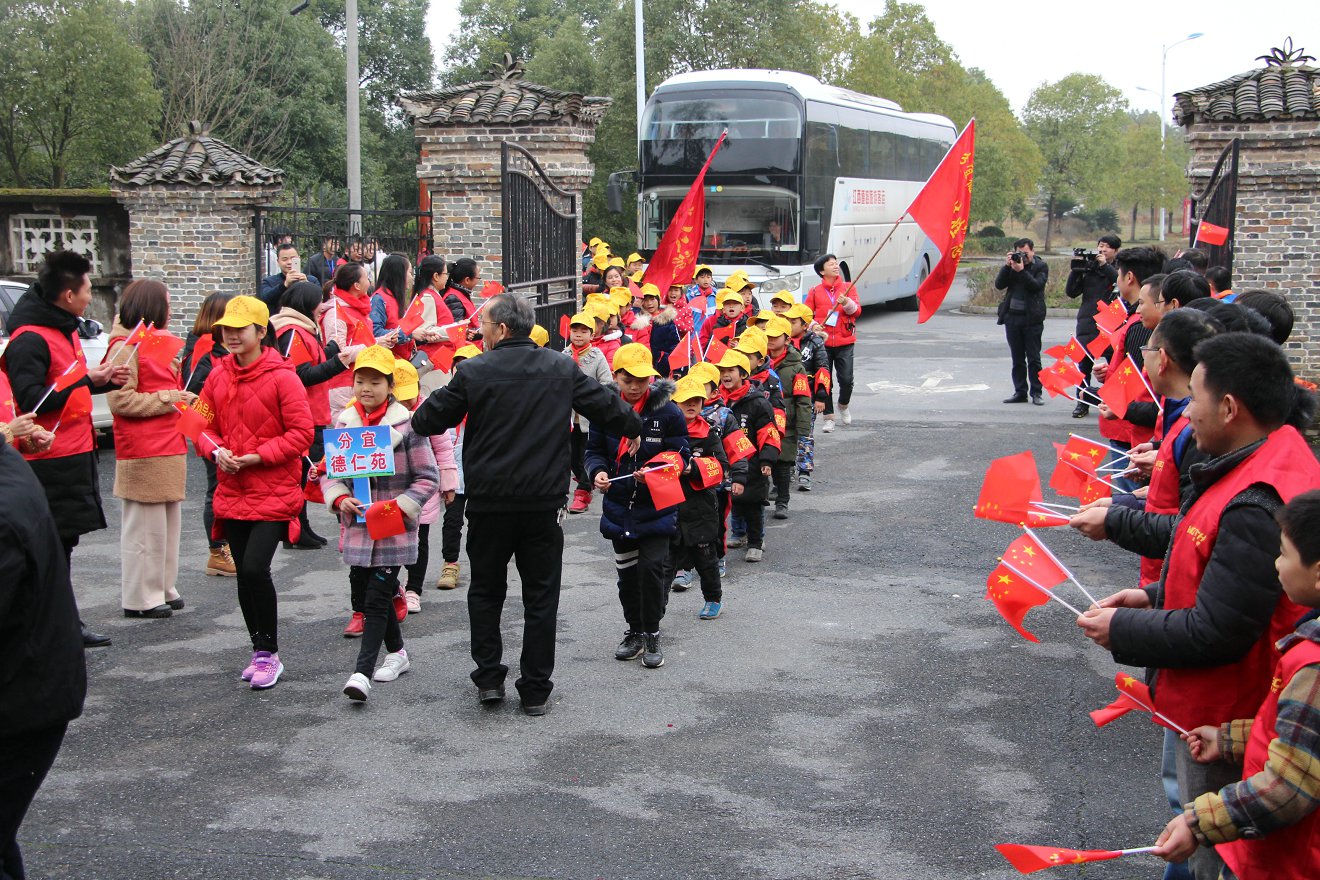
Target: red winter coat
x,y
259,408
823,300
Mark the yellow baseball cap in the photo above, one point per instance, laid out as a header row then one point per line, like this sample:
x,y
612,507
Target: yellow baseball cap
x,y
737,359
601,261
540,335
764,315
601,311
697,271
725,296
650,290
738,273
635,257
243,311
618,261
621,297
752,340
467,351
782,296
593,242
637,276
406,383
583,319
738,283
704,372
374,357
634,359
688,388
778,326
801,311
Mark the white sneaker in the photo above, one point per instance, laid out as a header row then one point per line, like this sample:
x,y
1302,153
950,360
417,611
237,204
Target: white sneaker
x,y
829,426
847,416
357,687
394,666
414,601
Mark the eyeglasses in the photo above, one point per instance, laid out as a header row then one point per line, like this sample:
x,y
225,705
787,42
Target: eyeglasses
x,y
1150,350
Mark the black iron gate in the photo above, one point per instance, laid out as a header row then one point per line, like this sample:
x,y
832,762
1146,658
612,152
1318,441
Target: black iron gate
x,y
364,237
1217,204
539,234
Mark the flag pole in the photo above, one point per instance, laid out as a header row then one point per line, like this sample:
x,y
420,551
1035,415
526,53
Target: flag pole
x,y
1158,714
1096,476
1134,851
1049,504
1008,565
892,230
1059,563
1121,453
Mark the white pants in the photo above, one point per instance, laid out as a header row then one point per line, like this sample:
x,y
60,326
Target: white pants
x,y
149,554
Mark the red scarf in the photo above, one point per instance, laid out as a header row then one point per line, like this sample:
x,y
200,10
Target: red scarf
x,y
776,361
578,353
730,397
623,441
698,429
373,417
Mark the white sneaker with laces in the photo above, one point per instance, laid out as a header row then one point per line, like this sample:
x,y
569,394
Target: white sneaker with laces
x,y
358,687
414,601
394,666
847,416
829,426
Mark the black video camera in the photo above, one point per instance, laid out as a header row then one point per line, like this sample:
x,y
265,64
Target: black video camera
x,y
1085,260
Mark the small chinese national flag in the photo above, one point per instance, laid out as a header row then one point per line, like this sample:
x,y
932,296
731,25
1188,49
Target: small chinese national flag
x,y
1121,387
71,376
312,490
942,210
715,350
298,353
1033,561
737,447
384,520
160,346
191,423
443,359
681,356
1110,317
664,485
1011,484
1037,858
1073,351
139,333
457,335
1096,347
1059,377
491,288
1209,233
565,326
361,334
412,319
202,347
1094,491
1013,597
1072,472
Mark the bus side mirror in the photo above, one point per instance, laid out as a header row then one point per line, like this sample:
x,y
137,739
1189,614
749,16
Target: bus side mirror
x,y
813,236
614,190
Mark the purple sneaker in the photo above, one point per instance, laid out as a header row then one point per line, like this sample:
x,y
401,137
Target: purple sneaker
x,y
252,667
268,669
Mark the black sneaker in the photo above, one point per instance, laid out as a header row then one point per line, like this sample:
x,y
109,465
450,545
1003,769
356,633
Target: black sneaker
x,y
631,647
781,511
652,658
1016,398
1080,411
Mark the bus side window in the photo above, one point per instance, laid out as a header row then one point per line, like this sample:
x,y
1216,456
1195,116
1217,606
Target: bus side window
x,y
884,161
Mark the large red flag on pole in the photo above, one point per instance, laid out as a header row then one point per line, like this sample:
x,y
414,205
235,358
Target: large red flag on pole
x,y
676,258
942,209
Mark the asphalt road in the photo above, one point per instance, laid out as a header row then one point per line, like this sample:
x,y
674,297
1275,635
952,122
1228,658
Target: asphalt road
x,y
858,712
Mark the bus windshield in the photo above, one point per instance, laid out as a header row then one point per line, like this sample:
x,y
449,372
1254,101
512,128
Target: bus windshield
x,y
679,130
739,219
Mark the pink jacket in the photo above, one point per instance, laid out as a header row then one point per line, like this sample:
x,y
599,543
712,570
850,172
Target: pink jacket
x,y
443,448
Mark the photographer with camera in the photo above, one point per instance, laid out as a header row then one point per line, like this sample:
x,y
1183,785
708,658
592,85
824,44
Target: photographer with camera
x,y
1091,276
1022,312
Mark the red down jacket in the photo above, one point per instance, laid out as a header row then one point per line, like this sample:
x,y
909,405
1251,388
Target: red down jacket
x,y
259,408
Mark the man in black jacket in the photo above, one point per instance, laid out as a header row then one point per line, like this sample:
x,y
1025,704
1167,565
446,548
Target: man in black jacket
x,y
1022,312
518,400
43,678
1094,283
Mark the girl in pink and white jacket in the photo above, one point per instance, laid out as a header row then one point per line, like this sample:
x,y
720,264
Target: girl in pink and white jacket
x,y
407,392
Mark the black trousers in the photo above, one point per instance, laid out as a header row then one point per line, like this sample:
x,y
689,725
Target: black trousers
x,y
782,474
841,360
451,528
534,539
753,514
641,565
704,558
208,514
417,571
28,758
578,447
253,545
379,585
1024,350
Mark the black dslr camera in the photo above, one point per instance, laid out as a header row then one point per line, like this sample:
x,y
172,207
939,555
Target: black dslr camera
x,y
1016,256
1084,260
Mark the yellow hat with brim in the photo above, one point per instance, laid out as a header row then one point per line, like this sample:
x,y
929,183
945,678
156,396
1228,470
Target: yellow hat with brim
x,y
726,296
782,296
406,383
778,326
635,258
752,341
732,358
540,335
764,315
801,311
243,311
621,297
583,319
697,271
636,277
738,283
650,290
601,311
635,360
618,261
601,261
375,357
467,351
593,242
688,388
704,372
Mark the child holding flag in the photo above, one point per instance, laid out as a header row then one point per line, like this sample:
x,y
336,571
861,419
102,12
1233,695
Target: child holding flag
x,y
812,348
592,363
261,426
374,564
639,531
786,363
1267,825
756,419
730,315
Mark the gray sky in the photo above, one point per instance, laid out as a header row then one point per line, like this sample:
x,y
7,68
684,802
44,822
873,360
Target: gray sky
x,y
1119,40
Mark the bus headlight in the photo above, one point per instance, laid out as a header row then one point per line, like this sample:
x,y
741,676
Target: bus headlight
x,y
784,282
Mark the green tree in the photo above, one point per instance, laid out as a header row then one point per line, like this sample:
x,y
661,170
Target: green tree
x,y
77,93
1076,123
1151,175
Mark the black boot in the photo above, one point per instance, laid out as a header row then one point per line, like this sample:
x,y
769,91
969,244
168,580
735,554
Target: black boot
x,y
91,639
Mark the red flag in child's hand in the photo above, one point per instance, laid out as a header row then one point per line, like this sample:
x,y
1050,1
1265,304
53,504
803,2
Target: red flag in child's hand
x,y
202,347
1037,858
1035,562
70,377
443,359
1072,472
191,423
681,356
637,291
565,327
1013,597
1113,711
412,319
1011,484
1133,696
298,353
708,472
737,447
457,336
160,346
715,351
664,486
384,520
724,334
312,491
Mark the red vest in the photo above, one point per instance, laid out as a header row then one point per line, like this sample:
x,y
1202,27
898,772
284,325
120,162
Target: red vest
x,y
76,434
318,395
350,313
152,436
1163,496
442,316
402,350
1215,694
1120,429
1291,853
8,409
468,308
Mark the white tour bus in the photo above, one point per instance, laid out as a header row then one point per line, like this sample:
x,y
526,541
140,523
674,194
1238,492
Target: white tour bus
x,y
807,169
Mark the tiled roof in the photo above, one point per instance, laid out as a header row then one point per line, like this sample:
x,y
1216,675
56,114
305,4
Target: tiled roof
x,y
197,159
504,99
1285,88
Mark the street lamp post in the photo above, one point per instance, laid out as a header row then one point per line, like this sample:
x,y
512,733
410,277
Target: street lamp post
x,y
1163,96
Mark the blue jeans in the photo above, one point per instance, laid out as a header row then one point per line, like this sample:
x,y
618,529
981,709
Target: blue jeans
x,y
1122,483
1169,779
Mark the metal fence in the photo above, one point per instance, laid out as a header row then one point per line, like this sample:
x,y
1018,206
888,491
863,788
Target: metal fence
x,y
361,236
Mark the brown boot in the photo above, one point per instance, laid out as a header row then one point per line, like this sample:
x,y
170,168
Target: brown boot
x,y
448,576
220,563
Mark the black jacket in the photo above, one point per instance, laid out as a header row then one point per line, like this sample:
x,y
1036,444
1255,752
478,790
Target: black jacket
x,y
699,516
519,400
814,359
43,678
197,377
753,412
1093,286
1028,285
1237,593
72,482
272,289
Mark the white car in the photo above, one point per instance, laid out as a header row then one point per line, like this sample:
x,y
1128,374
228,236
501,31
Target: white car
x,y
93,342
